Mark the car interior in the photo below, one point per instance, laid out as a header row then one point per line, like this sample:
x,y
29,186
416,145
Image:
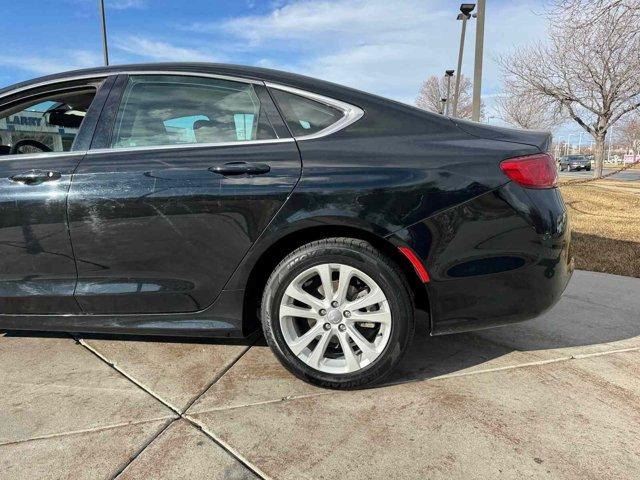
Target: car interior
x,y
157,112
45,124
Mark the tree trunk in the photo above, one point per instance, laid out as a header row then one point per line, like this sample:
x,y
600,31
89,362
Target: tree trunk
x,y
599,155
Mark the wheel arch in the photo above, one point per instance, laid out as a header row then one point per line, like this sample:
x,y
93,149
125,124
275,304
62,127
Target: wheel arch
x,y
272,255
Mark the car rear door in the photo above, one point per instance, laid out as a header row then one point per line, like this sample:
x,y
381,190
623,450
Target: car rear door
x,y
184,173
37,268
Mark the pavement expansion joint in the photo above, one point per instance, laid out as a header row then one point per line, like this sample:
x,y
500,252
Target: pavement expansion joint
x,y
179,412
227,447
143,447
133,380
436,378
195,423
88,430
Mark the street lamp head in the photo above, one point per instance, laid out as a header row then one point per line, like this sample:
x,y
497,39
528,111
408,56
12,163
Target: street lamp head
x,y
449,73
467,8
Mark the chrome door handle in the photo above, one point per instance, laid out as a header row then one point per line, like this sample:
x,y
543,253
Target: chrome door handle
x,y
241,168
36,176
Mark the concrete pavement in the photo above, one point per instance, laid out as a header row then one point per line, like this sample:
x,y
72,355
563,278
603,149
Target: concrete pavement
x,y
556,397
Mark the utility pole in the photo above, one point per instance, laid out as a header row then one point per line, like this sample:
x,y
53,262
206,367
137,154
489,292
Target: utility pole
x,y
105,47
448,74
477,69
580,144
466,9
566,147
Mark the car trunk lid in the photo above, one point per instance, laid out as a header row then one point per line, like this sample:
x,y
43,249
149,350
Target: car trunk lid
x,y
538,139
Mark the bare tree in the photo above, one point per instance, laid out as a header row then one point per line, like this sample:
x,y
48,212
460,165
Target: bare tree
x,y
576,11
434,89
590,65
629,134
528,109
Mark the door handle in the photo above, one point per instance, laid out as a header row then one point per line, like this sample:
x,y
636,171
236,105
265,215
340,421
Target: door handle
x,y
241,168
36,176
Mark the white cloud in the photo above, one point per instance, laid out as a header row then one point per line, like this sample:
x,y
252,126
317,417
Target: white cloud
x,y
62,61
126,4
157,50
328,21
123,49
387,47
112,4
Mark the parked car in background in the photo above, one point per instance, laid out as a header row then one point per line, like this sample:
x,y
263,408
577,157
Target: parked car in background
x,y
575,162
215,200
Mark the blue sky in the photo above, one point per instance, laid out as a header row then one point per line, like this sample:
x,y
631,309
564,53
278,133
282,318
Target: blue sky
x,y
386,47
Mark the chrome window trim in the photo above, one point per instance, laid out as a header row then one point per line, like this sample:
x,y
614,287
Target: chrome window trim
x,y
140,148
351,113
231,78
42,155
53,82
144,148
128,72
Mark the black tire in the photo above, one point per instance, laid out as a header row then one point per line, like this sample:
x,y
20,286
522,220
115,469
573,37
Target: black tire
x,y
363,256
588,169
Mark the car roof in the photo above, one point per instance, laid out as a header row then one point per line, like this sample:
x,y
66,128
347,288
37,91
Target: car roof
x,y
253,73
349,95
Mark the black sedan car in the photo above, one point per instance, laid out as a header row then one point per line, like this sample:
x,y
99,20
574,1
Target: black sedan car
x,y
215,200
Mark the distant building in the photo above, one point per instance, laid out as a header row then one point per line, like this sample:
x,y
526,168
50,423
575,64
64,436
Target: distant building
x,y
33,124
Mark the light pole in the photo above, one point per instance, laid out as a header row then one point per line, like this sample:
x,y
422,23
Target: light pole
x,y
448,74
444,103
466,9
477,68
566,147
580,143
105,48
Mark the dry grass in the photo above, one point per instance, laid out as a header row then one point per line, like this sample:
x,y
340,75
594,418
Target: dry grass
x,y
605,220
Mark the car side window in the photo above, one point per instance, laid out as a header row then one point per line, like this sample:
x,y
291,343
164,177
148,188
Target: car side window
x,y
159,110
49,124
303,115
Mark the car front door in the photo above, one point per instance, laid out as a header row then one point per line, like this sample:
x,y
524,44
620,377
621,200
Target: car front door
x,y
184,174
42,131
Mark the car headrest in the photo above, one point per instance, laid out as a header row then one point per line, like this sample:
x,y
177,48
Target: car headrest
x,y
202,123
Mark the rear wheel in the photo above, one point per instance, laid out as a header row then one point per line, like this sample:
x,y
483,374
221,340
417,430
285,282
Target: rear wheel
x,y
337,313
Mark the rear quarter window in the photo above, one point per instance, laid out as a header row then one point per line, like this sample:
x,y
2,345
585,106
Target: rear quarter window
x,y
303,115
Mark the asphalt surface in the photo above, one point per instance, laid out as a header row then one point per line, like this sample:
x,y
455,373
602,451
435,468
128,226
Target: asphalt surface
x,y
557,397
630,175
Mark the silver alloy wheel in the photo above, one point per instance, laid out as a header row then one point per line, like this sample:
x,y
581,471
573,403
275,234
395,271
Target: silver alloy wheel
x,y
335,318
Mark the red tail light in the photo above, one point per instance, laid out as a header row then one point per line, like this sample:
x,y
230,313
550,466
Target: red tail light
x,y
532,171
